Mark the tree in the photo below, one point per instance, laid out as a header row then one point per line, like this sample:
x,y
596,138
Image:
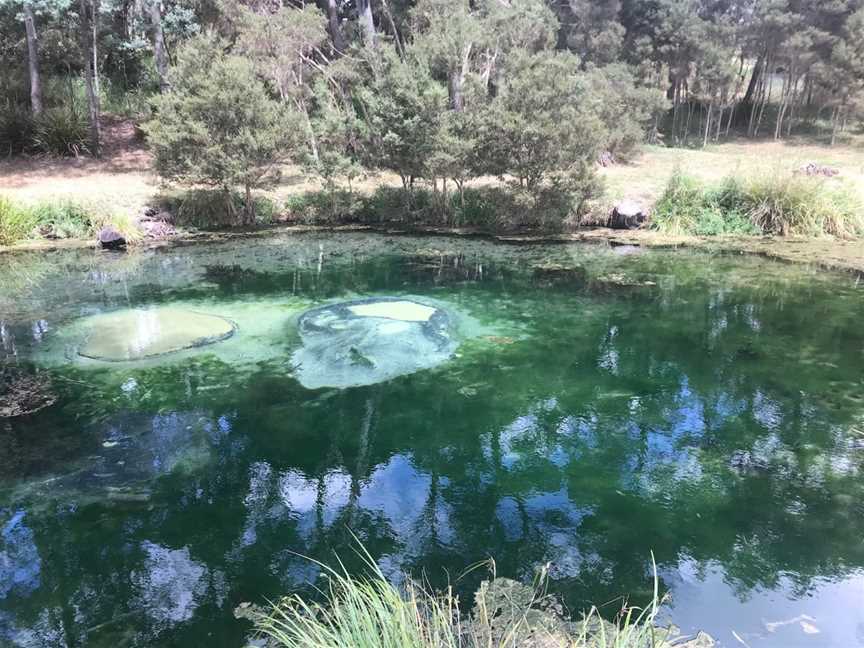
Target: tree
x,y
160,51
33,58
402,108
219,125
88,26
539,125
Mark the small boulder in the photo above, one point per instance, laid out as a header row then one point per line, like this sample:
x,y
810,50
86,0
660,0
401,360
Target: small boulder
x,y
627,214
111,239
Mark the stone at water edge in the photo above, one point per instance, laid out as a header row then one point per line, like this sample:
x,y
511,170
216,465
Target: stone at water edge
x,y
627,214
111,239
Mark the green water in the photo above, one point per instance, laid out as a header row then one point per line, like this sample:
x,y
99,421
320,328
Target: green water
x,y
603,403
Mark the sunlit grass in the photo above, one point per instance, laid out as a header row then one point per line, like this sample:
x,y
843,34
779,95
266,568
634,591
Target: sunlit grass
x,y
777,204
370,612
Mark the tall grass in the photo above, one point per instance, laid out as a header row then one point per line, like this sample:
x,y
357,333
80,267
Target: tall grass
x,y
369,612
60,219
16,222
777,204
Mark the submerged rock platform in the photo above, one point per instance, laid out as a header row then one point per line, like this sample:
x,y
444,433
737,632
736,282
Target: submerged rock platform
x,y
366,341
140,333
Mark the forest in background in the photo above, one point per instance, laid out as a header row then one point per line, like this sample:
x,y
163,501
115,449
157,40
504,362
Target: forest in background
x,y
438,92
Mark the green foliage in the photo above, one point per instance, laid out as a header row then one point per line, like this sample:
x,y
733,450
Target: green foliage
x,y
783,205
17,222
797,204
64,219
60,132
16,129
403,108
540,131
60,219
217,209
219,124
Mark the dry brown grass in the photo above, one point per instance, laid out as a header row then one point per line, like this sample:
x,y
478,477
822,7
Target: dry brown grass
x,y
645,178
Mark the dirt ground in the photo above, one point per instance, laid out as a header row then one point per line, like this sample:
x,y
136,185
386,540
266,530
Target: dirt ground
x,y
123,180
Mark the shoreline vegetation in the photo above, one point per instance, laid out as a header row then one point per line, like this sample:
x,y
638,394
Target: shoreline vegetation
x,y
370,611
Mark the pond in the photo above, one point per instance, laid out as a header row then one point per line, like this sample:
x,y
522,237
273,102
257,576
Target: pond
x,y
576,405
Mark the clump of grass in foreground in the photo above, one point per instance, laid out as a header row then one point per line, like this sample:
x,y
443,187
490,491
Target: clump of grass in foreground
x,y
777,204
369,612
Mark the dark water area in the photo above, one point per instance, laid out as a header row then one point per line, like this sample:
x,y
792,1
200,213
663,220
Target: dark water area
x,y
601,404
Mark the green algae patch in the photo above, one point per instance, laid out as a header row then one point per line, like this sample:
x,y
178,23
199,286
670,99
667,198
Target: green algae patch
x,y
148,332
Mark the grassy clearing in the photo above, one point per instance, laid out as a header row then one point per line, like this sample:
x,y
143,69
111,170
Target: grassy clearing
x,y
775,204
369,612
60,219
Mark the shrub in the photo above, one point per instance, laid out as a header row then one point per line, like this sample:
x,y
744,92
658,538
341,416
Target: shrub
x,y
216,209
60,132
797,204
777,205
16,129
16,222
219,125
63,219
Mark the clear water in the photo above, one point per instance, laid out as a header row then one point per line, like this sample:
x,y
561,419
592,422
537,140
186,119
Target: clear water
x,y
603,403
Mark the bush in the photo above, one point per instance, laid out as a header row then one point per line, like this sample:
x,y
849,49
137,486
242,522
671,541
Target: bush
x,y
60,219
16,222
60,132
777,205
63,219
216,209
16,129
797,204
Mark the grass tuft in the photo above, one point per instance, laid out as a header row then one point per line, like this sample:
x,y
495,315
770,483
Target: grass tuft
x,y
370,612
777,204
61,219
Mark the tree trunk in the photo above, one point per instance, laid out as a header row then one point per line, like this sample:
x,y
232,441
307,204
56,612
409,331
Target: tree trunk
x,y
707,125
754,80
329,7
160,52
367,24
88,46
249,207
33,60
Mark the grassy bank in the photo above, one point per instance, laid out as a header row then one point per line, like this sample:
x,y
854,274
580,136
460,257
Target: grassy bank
x,y
62,219
777,204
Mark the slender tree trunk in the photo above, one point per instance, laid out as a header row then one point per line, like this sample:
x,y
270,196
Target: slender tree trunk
x,y
249,207
33,59
707,125
88,45
367,24
329,7
755,80
160,52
